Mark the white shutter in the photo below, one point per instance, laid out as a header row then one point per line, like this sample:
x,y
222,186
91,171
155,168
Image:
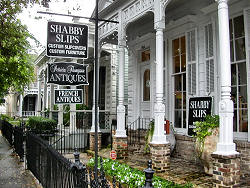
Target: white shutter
x,y
191,61
209,58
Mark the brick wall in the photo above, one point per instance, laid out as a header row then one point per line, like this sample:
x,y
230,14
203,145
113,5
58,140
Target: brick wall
x,y
185,149
243,147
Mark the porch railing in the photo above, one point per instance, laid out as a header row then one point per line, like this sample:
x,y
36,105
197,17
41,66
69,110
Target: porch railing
x,y
136,131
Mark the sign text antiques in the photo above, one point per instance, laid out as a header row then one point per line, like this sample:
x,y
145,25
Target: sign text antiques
x,y
68,73
67,40
68,96
199,107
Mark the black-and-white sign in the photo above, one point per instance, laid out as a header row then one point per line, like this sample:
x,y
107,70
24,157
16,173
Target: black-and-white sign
x,y
199,107
67,40
68,96
68,73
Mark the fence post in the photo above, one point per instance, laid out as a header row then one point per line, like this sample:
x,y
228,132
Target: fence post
x,y
82,180
149,173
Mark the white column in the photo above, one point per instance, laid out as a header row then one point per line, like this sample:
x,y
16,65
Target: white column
x,y
120,131
20,105
159,108
72,126
45,94
39,108
225,145
52,97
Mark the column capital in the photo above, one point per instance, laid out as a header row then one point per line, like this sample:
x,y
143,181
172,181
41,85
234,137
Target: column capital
x,y
159,14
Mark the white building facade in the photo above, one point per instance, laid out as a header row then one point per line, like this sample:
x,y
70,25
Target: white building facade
x,y
181,49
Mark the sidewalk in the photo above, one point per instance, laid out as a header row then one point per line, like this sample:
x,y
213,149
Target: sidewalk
x,y
12,172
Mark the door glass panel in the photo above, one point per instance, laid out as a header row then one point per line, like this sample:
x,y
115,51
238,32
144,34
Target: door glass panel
x,y
146,85
234,96
178,100
184,119
243,97
233,77
235,121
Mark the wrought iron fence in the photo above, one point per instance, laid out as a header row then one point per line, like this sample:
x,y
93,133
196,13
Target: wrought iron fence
x,y
53,170
136,131
7,131
18,134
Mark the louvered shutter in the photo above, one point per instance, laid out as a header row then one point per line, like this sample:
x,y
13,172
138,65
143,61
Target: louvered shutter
x,y
209,58
191,61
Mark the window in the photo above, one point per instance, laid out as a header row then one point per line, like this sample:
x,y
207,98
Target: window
x,y
239,74
146,85
209,58
145,55
179,75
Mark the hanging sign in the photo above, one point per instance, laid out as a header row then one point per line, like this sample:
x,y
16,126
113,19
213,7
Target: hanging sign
x,y
199,107
67,40
68,73
68,96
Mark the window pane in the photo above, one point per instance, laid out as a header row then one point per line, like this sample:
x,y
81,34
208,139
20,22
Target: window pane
x,y
177,118
146,85
240,49
232,51
242,78
183,63
239,26
243,97
184,118
176,49
176,64
178,100
243,121
183,45
234,96
235,121
184,82
178,81
184,100
231,29
233,77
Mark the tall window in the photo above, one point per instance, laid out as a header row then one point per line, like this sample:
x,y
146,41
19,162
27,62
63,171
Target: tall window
x,y
239,74
179,74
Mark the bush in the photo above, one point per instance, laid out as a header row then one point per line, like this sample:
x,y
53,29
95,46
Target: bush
x,y
6,117
41,124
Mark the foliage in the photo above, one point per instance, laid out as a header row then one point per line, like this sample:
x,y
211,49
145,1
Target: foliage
x,y
16,70
132,177
204,128
6,117
149,136
40,124
81,107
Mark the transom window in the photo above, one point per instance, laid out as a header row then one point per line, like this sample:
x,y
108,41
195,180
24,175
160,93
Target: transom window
x,y
179,74
239,74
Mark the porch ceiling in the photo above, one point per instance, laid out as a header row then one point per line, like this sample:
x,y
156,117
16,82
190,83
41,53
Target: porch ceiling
x,y
179,8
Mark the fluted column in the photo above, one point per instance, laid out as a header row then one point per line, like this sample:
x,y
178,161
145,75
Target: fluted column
x,y
120,131
225,145
159,107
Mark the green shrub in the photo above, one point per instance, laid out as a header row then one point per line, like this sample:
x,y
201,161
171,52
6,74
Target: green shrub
x,y
6,117
38,123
